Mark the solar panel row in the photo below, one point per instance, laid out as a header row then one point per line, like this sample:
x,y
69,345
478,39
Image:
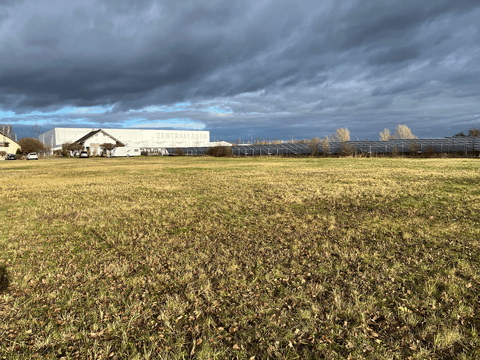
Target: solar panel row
x,y
446,145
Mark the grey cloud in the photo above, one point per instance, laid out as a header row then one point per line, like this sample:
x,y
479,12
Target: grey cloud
x,y
126,7
396,88
378,21
10,2
3,17
44,32
176,57
396,55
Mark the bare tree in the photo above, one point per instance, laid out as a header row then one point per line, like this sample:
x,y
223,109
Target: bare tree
x,y
413,148
404,132
219,151
313,145
342,135
29,145
108,147
7,130
179,152
395,151
68,147
429,151
385,135
47,150
347,149
326,145
474,132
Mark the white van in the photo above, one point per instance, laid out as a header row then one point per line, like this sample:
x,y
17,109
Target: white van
x,y
125,151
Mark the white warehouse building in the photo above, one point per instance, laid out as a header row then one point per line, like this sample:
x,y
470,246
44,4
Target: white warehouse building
x,y
144,139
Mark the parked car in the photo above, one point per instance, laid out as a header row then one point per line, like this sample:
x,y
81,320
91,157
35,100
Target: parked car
x,y
10,157
32,156
83,154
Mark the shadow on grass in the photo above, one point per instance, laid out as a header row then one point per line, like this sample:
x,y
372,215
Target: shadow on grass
x,y
4,280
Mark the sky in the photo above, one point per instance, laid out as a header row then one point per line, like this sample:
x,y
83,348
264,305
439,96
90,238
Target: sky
x,y
266,69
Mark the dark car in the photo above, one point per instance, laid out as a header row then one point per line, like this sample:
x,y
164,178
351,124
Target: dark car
x,y
10,157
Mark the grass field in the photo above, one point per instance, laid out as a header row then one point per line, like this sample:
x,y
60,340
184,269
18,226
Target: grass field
x,y
178,258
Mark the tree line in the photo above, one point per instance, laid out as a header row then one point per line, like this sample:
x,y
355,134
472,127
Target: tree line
x,y
473,131
343,135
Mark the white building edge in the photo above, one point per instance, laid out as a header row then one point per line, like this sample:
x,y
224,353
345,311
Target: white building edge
x,y
144,139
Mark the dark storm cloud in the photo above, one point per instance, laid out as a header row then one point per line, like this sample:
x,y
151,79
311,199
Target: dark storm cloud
x,y
315,64
377,22
396,55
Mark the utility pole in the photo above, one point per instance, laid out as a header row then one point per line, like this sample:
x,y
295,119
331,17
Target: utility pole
x,y
36,129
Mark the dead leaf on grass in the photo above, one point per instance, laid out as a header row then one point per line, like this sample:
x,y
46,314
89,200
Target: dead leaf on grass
x,y
368,349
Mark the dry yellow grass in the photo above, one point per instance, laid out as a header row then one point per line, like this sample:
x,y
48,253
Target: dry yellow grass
x,y
226,258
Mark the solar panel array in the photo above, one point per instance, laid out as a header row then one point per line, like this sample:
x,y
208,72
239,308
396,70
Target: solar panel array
x,y
402,146
253,150
446,145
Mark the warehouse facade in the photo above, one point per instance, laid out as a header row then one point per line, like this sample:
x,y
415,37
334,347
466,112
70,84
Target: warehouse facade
x,y
145,139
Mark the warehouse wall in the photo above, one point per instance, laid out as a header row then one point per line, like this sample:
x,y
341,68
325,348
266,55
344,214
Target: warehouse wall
x,y
131,137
